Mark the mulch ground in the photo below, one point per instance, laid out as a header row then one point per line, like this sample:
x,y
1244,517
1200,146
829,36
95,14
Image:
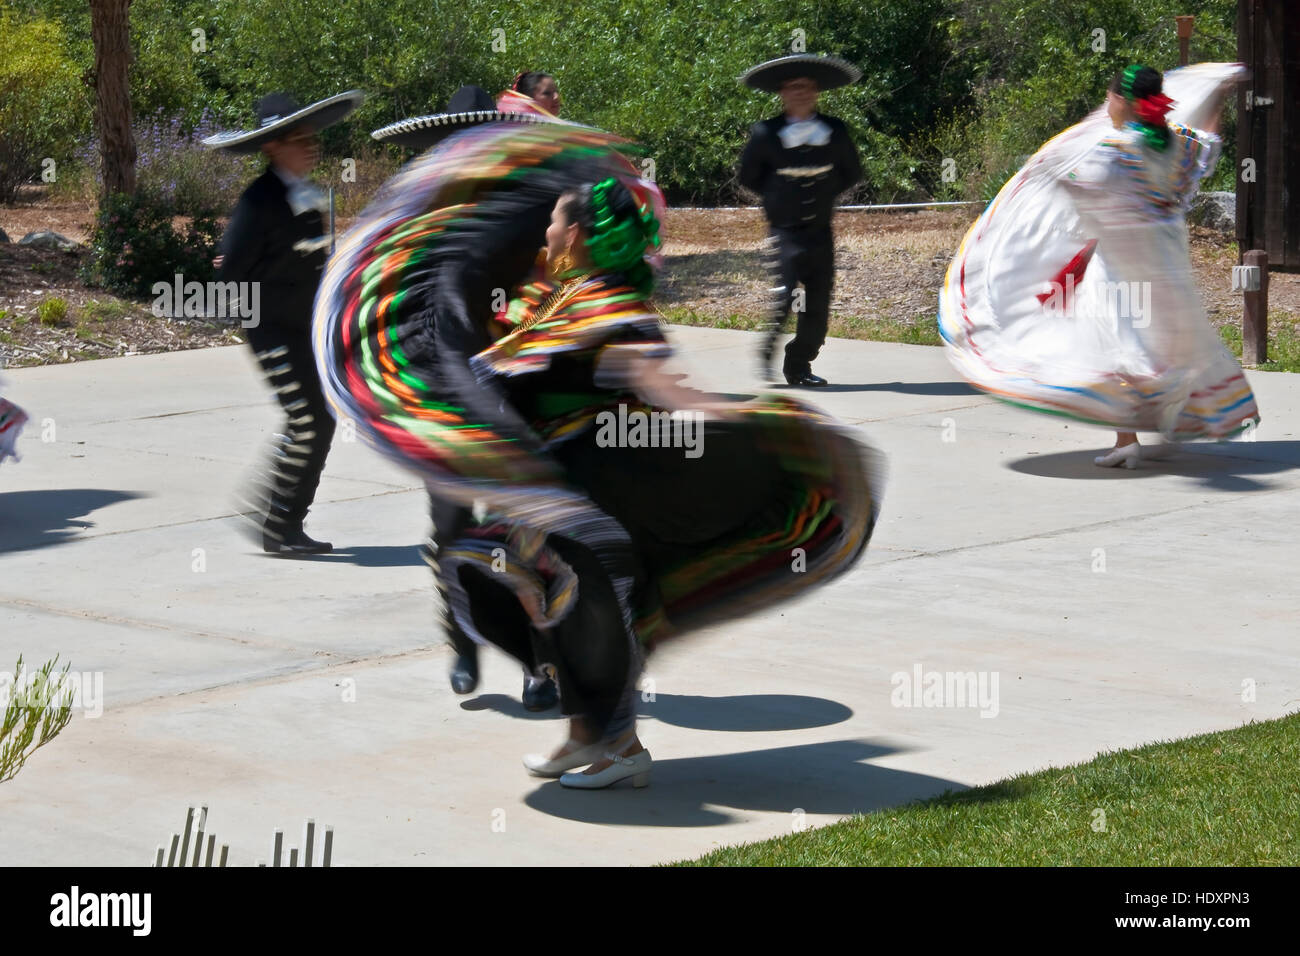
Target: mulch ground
x,y
889,268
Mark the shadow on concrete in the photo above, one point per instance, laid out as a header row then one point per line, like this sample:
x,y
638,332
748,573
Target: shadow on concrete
x,y
366,556
746,712
39,519
1223,466
902,388
831,777
509,706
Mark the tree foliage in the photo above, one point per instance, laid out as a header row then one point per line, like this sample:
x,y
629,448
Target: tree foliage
x,y
980,82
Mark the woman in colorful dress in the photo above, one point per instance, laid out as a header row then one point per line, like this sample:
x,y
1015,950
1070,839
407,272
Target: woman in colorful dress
x,y
531,92
622,508
1074,291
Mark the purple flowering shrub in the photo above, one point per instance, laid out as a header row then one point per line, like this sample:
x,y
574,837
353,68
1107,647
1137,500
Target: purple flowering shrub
x,y
173,166
170,225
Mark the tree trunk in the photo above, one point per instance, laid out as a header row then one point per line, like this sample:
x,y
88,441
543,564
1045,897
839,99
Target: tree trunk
x,y
112,36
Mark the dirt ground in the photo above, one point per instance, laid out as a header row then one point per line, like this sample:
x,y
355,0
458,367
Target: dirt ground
x,y
889,268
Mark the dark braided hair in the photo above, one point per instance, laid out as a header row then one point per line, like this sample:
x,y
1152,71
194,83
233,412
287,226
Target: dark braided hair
x,y
619,230
528,81
1137,83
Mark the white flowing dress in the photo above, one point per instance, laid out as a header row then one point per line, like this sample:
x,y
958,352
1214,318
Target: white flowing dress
x,y
1074,292
12,419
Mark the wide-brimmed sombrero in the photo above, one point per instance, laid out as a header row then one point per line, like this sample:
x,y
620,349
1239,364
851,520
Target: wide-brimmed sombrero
x,y
828,72
278,114
468,106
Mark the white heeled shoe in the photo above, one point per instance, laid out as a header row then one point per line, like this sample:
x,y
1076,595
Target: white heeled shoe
x,y
1127,456
636,766
539,765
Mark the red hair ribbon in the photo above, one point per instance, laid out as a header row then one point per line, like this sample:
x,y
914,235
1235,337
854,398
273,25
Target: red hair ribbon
x,y
1151,110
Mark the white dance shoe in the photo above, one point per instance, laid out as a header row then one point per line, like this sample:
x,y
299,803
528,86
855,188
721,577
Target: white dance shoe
x,y
540,765
1126,457
636,766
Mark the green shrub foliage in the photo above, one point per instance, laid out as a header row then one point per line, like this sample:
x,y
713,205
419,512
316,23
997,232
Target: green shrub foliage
x,y
979,82
140,240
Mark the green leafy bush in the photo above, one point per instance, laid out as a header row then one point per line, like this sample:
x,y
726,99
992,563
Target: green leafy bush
x,y
42,101
139,240
979,82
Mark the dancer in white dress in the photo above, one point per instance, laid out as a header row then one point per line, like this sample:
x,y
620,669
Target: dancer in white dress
x,y
1074,292
11,423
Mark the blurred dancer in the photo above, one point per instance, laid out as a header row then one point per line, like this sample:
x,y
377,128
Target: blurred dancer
x,y
275,239
1074,292
12,419
469,106
798,163
598,542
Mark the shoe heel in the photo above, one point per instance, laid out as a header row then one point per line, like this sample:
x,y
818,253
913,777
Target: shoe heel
x,y
641,780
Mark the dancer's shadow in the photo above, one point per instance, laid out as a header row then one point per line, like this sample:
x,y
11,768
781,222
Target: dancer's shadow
x,y
747,712
38,519
365,556
831,777
509,706
1224,466
902,388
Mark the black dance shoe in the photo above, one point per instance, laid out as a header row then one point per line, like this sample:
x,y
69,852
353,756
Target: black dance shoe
x,y
805,380
293,542
464,673
540,694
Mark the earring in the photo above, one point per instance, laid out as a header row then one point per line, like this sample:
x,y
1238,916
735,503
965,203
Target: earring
x,y
563,263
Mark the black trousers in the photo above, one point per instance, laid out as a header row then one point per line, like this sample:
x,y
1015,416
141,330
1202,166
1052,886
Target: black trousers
x,y
595,665
802,256
290,368
449,520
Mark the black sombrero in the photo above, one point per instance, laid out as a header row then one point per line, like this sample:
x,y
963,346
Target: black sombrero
x,y
468,106
827,72
279,114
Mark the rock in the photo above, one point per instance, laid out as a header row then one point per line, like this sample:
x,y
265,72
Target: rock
x,y
4,237
48,240
1214,211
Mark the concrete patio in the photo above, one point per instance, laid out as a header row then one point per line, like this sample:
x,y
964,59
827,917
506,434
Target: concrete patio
x,y
1115,608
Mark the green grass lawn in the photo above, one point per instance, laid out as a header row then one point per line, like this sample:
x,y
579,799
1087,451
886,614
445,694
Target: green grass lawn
x,y
1283,344
843,327
1222,799
1283,337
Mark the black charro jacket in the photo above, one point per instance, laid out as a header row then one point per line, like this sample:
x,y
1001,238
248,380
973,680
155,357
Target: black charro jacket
x,y
258,247
798,185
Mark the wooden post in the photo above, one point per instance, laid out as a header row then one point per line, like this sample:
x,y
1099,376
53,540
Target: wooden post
x,y
1185,25
1254,320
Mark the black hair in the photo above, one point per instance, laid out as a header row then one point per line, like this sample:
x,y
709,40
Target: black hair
x,y
619,244
1147,81
528,82
1143,81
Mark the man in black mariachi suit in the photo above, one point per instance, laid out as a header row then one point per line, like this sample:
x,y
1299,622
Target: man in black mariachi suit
x,y
799,162
277,239
468,107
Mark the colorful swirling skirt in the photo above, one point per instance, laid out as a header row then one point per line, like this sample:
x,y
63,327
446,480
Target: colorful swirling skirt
x,y
782,499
